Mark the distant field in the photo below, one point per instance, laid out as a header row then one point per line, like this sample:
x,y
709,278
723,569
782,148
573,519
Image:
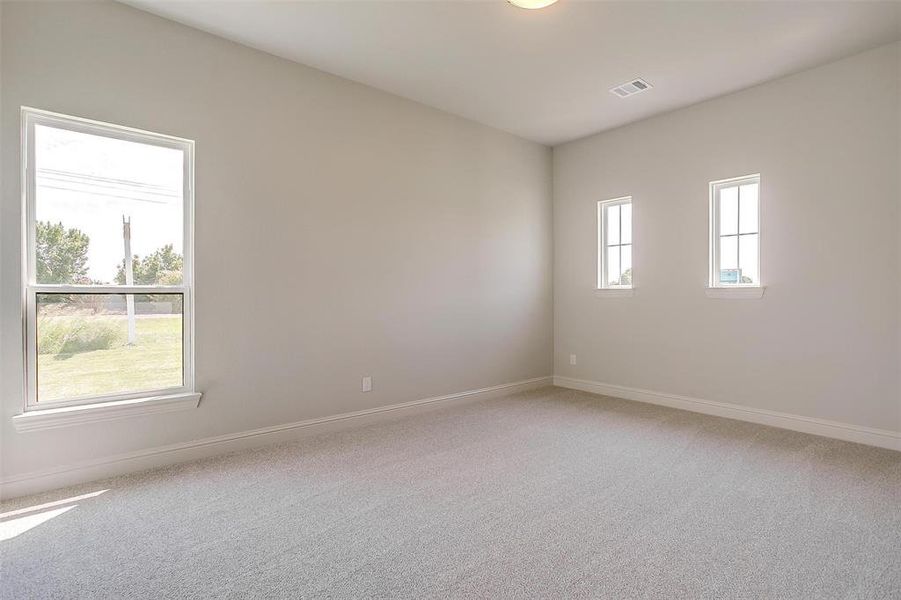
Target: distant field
x,y
154,362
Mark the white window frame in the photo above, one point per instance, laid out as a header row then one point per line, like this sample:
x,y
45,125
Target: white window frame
x,y
162,398
603,205
715,188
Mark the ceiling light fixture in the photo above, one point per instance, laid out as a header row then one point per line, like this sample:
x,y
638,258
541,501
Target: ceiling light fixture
x,y
531,4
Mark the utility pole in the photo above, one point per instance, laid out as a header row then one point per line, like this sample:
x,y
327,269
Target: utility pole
x,y
129,280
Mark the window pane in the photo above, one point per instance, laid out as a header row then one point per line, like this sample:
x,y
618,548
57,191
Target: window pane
x,y
612,224
729,252
750,271
626,253
85,185
85,349
626,216
728,210
748,207
613,272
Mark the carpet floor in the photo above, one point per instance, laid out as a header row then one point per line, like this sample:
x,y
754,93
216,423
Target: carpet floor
x,y
550,493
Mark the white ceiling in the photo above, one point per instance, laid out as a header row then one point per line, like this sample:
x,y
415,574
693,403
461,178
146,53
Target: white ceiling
x,y
545,74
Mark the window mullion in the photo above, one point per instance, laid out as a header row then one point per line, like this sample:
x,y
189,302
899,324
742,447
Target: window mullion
x,y
602,246
620,244
738,232
717,240
107,289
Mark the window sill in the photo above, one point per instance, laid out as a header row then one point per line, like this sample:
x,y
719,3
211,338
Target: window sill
x,y
52,418
749,292
614,292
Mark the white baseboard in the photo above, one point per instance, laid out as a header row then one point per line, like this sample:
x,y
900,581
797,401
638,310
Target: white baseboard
x,y
86,471
882,438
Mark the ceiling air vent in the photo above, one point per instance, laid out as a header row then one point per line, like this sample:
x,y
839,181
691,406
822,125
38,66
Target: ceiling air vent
x,y
630,89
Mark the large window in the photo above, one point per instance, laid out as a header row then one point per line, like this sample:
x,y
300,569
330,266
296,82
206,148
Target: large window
x,y
735,232
615,244
108,270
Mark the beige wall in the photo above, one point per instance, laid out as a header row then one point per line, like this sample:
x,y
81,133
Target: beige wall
x,y
340,231
824,340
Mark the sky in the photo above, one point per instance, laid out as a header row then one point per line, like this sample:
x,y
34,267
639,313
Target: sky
x,y
90,182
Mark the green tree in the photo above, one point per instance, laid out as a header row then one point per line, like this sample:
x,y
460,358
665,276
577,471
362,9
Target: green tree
x,y
162,267
61,254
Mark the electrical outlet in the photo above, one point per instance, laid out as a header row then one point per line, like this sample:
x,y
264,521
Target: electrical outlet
x,y
366,384
572,359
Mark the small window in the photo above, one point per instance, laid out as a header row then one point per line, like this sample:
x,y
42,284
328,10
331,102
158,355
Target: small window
x,y
735,232
109,269
615,243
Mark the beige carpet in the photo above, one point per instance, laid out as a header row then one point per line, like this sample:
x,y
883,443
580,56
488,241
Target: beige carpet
x,y
546,494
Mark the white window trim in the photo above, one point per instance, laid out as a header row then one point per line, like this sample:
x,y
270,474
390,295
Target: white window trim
x,y
602,289
110,405
615,292
716,289
53,418
745,292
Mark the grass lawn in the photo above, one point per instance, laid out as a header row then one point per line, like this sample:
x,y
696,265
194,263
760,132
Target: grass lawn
x,y
153,362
